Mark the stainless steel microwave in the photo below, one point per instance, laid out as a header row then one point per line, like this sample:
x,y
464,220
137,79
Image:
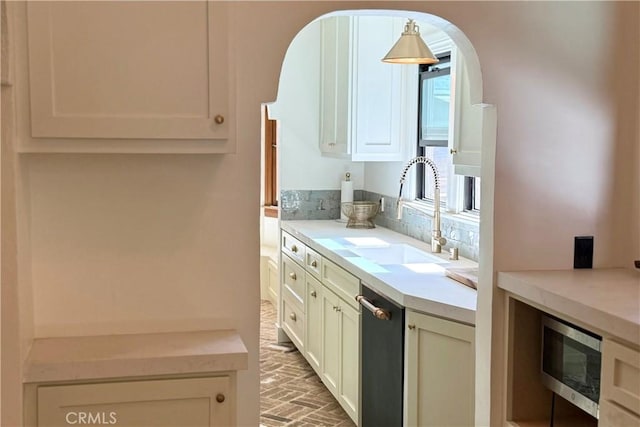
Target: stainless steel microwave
x,y
571,363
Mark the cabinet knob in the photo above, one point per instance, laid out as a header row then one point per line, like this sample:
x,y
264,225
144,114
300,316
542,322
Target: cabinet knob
x,y
294,248
314,294
314,263
220,398
219,119
411,327
332,144
293,317
453,151
293,276
338,309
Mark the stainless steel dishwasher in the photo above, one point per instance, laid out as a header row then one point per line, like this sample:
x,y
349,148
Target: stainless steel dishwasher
x,y
382,364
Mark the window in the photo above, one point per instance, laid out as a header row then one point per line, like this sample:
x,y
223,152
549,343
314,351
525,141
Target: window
x,y
434,107
433,121
270,167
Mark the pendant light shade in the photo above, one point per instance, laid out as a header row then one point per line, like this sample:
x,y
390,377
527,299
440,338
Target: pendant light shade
x,y
410,48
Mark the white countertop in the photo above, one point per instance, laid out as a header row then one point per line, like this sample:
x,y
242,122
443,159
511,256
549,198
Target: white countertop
x,y
135,355
606,301
429,291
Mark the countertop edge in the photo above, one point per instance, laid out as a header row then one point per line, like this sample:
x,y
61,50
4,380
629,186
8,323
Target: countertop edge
x,y
593,317
224,351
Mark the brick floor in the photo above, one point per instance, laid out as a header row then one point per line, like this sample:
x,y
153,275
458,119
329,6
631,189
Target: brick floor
x,y
291,394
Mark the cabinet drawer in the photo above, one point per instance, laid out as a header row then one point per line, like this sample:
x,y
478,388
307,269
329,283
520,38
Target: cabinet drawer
x,y
293,280
344,284
190,401
293,322
313,263
621,375
611,415
293,247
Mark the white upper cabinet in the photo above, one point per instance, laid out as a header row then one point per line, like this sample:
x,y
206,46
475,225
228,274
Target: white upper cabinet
x,y
130,70
473,123
362,99
335,70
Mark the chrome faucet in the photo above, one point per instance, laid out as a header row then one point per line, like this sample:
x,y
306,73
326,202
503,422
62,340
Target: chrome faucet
x,y
437,241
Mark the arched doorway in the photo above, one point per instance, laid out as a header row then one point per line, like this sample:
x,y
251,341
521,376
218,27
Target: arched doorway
x,y
486,129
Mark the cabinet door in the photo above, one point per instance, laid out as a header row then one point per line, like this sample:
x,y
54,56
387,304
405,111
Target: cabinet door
x,y
440,373
273,283
377,98
349,359
473,124
334,85
180,402
313,301
129,69
330,365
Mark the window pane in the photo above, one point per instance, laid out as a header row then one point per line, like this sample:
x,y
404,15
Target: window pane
x,y
435,108
442,159
476,194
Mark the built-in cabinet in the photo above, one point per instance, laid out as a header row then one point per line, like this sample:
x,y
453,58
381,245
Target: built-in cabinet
x,y
620,387
198,402
440,373
529,401
87,81
363,101
320,316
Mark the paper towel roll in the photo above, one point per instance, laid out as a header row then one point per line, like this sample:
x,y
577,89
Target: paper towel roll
x,y
346,194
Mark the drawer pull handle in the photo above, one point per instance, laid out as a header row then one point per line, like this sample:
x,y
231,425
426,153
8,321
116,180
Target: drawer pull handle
x,y
314,263
220,398
293,276
314,294
294,249
380,313
293,317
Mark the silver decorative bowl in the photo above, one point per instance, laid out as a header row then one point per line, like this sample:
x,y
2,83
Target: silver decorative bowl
x,y
360,214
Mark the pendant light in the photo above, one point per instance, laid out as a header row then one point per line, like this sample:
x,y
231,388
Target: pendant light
x,y
410,48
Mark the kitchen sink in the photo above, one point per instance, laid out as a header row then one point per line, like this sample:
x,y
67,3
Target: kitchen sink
x,y
397,254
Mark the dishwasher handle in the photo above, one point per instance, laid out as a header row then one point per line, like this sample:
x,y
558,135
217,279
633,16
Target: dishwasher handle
x,y
380,313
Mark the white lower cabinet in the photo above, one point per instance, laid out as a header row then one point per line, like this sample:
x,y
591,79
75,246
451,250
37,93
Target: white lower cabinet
x,y
340,351
620,386
439,372
314,302
320,315
165,402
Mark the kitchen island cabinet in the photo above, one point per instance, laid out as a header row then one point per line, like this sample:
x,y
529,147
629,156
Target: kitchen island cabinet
x,y
107,91
440,373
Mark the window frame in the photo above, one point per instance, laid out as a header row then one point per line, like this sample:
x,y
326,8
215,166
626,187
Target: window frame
x,y
461,190
270,190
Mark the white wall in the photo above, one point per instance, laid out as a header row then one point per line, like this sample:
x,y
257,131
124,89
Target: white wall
x,y
566,158
302,167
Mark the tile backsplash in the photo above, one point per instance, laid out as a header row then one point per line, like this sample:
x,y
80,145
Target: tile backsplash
x,y
325,204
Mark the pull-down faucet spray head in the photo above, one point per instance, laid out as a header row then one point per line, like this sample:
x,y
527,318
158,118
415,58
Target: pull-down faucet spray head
x,y
437,241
